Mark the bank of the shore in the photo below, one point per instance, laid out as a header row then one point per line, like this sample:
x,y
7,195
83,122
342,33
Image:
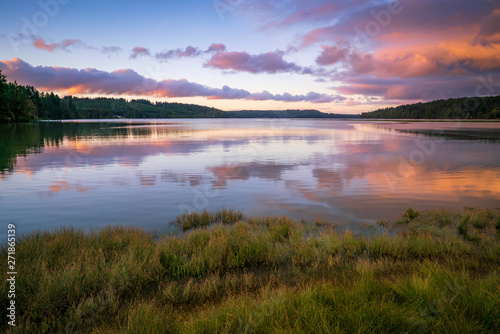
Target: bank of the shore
x,y
431,271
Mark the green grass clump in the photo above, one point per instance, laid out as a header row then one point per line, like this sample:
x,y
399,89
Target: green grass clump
x,y
437,272
409,215
193,220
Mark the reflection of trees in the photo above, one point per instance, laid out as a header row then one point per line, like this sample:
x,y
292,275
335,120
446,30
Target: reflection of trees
x,y
486,135
22,139
18,139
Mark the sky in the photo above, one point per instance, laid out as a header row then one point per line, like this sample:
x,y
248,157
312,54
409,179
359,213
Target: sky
x,y
344,56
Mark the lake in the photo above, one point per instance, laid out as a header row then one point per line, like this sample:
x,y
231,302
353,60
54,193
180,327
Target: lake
x,y
144,173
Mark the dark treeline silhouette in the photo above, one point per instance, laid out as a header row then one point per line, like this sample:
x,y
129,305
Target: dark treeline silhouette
x,y
292,113
17,103
102,107
460,108
20,103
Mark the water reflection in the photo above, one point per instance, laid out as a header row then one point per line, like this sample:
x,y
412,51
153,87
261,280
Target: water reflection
x,y
139,173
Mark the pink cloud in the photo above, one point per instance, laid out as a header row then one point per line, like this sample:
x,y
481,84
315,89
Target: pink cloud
x,y
270,62
490,29
139,51
352,102
65,45
40,43
357,63
368,22
129,82
421,88
331,55
215,47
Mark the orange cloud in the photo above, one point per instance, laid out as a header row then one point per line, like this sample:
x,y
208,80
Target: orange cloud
x,y
40,44
452,57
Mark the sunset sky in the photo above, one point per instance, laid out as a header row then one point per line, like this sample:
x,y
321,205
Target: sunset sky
x,y
345,56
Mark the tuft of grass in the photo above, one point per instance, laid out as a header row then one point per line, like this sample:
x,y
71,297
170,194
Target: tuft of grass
x,y
408,216
438,272
193,220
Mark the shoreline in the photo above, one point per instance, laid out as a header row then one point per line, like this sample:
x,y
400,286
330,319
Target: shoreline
x,y
223,272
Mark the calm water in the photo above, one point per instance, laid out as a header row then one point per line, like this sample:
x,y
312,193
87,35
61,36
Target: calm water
x,y
145,173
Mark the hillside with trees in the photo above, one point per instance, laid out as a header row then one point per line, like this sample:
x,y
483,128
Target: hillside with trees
x,y
460,108
102,107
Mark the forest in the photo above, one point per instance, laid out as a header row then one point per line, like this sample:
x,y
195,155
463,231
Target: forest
x,y
459,108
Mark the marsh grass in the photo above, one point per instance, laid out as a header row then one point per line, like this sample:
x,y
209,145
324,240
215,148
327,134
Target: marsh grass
x,y
439,272
188,221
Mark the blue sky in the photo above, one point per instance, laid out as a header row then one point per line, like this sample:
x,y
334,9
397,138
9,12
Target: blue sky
x,y
344,56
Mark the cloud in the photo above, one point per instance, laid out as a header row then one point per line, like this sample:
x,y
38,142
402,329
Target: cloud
x,y
284,14
65,45
317,12
348,56
139,51
422,89
311,97
448,58
352,102
129,82
331,55
111,49
367,22
70,42
178,53
270,62
216,47
40,43
188,52
395,50
490,29
449,68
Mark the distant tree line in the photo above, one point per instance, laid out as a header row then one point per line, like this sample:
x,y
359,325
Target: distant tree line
x,y
460,108
102,107
291,113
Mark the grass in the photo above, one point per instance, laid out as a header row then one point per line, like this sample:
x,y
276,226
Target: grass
x,y
433,271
